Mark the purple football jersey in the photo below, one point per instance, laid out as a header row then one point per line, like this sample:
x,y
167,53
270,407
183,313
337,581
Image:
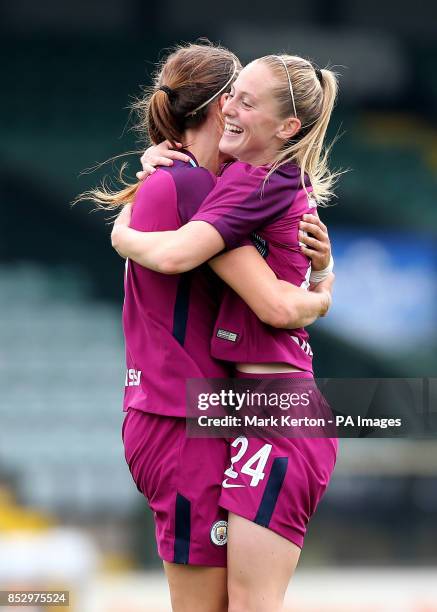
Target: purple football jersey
x,y
168,320
235,207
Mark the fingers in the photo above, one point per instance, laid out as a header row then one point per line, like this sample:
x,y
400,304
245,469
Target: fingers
x,y
161,155
145,156
315,230
314,219
156,155
169,145
172,154
314,241
145,172
162,147
308,252
167,158
166,146
318,244
160,160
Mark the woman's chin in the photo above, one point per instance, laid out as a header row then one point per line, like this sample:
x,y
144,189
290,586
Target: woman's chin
x,y
227,148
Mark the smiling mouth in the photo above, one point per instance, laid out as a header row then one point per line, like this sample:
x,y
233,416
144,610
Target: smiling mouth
x,y
230,128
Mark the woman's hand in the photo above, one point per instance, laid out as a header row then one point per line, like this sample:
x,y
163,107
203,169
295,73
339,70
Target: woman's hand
x,y
120,224
325,288
124,216
316,244
159,155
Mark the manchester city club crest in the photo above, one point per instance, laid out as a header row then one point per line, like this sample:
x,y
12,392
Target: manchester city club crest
x,y
219,533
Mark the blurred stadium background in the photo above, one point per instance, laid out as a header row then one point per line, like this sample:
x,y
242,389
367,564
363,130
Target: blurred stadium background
x,y
70,516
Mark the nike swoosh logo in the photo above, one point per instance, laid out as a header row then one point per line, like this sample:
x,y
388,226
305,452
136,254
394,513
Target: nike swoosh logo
x,y
228,485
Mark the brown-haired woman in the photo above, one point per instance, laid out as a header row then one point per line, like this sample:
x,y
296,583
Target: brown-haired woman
x,y
168,322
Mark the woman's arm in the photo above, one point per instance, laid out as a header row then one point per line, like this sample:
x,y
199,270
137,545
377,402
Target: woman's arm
x,y
275,302
174,256
228,214
170,252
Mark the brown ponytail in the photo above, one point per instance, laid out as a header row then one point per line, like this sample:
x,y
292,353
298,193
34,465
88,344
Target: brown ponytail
x,y
184,81
188,77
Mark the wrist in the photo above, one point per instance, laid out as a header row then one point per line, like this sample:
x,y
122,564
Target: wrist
x,y
317,276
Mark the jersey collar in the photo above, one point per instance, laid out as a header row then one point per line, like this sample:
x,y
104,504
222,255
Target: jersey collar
x,y
193,160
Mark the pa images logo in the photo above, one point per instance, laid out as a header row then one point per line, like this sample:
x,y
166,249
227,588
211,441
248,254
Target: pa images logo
x,y
219,533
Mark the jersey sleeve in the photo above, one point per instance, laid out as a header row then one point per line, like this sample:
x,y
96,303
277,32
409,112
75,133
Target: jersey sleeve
x,y
242,201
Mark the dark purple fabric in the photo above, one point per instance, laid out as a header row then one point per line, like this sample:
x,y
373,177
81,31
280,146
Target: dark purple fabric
x,y
168,320
242,201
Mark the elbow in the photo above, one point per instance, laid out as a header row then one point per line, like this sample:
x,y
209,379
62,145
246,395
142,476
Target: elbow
x,y
280,316
169,261
168,265
175,258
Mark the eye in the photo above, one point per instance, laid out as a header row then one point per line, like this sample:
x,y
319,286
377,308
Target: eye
x,y
246,104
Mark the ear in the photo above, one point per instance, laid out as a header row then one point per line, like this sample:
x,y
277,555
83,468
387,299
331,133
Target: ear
x,y
222,100
215,110
288,128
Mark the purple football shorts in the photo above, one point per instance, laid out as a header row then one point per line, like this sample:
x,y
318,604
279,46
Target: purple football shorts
x,y
278,482
181,478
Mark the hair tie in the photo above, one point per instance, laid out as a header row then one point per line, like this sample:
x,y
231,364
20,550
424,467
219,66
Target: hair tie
x,y
170,92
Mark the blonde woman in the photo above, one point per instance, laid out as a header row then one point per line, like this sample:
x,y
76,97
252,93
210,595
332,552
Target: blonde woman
x,y
168,322
276,117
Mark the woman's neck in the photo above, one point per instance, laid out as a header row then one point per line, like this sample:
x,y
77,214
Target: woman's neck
x,y
204,148
262,159
265,157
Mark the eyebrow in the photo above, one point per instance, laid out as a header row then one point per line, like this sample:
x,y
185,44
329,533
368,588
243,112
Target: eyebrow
x,y
246,93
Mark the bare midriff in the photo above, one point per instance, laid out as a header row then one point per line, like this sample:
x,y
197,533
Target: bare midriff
x,y
266,368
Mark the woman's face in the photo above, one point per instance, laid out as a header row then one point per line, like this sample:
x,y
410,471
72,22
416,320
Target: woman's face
x,y
253,130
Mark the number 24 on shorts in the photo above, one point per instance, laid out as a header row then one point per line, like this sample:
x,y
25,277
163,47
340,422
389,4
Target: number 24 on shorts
x,y
253,467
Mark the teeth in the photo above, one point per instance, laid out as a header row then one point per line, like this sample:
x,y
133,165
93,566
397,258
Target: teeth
x,y
233,128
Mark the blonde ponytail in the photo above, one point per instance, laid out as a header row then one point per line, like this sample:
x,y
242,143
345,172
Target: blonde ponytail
x,y
314,98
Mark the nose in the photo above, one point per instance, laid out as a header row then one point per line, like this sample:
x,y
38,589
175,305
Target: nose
x,y
228,106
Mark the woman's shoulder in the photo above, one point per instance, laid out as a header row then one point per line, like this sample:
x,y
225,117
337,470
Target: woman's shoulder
x,y
184,173
291,171
158,184
242,168
170,180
